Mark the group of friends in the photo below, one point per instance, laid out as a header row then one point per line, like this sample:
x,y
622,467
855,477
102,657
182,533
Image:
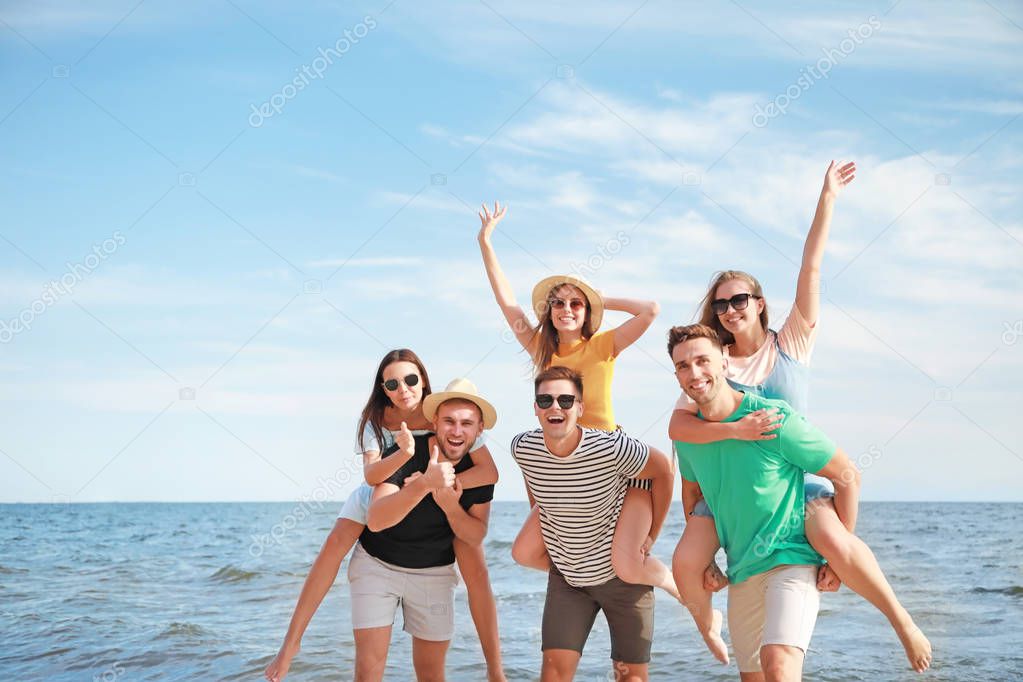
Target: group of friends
x,y
758,480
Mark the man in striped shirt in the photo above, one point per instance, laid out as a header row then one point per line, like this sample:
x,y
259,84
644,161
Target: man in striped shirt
x,y
578,478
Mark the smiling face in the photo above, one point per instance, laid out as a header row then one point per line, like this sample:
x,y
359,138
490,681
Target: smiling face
x,y
700,369
739,322
458,423
558,422
572,315
404,397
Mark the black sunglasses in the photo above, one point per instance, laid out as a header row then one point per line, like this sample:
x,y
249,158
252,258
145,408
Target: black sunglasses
x,y
719,306
545,400
410,381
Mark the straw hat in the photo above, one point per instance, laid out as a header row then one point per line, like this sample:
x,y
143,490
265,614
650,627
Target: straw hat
x,y
543,290
465,390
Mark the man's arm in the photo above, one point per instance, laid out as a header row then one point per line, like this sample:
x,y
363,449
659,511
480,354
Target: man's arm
x,y
691,494
846,477
660,470
469,526
391,504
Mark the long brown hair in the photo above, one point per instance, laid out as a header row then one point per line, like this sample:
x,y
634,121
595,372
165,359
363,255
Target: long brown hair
x,y
373,412
547,335
707,315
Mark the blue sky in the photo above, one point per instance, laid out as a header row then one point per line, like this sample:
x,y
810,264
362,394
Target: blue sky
x,y
232,279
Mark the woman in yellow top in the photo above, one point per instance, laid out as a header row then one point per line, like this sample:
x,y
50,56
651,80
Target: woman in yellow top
x,y
570,313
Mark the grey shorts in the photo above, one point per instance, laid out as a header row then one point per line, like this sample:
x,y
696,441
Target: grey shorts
x,y
569,612
426,596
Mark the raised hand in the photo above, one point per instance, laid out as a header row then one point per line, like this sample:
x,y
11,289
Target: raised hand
x,y
488,220
405,440
838,177
713,579
757,425
438,474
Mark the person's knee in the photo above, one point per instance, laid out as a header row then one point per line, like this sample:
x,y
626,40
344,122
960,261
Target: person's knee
x,y
687,562
369,668
780,662
523,553
833,541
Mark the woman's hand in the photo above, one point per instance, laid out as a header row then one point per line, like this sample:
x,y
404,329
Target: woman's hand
x,y
488,220
838,177
756,425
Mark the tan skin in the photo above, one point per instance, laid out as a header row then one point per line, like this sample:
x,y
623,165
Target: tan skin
x,y
404,414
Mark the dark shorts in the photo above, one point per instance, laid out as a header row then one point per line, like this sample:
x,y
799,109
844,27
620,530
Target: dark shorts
x,y
569,612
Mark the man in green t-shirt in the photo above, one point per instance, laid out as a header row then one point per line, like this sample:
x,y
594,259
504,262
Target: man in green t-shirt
x,y
756,491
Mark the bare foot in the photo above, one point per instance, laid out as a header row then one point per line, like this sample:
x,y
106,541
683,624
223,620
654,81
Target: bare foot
x,y
918,648
278,668
713,638
713,579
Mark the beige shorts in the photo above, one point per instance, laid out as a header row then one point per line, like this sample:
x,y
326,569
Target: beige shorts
x,y
776,607
426,596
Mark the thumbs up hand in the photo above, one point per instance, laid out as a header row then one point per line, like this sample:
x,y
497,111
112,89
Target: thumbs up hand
x,y
405,441
438,474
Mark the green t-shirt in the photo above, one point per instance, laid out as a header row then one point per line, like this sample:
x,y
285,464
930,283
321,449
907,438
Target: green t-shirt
x,y
755,489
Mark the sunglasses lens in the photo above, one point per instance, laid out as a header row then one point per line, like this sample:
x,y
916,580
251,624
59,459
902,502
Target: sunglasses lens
x,y
577,304
556,303
740,301
544,400
566,401
719,307
411,380
391,384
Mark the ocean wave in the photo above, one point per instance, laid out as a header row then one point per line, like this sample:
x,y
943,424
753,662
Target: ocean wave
x,y
179,629
233,574
1011,590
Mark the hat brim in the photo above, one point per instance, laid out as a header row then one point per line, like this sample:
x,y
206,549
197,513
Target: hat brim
x,y
543,289
434,400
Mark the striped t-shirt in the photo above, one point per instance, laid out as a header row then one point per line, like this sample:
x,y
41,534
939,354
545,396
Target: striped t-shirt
x,y
580,497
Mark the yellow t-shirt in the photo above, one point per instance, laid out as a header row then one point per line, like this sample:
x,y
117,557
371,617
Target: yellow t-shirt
x,y
595,360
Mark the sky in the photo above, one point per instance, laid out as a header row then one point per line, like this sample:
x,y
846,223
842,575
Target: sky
x,y
220,215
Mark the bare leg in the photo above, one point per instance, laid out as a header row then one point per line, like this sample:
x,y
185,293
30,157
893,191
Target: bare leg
x,y
321,576
473,566
631,672
856,565
781,663
699,542
528,549
559,665
428,659
371,653
630,562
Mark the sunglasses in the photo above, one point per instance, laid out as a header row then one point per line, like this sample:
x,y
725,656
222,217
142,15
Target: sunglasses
x,y
719,306
560,303
410,381
545,400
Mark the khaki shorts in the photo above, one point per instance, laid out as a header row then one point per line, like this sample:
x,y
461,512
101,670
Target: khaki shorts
x,y
426,596
776,607
569,612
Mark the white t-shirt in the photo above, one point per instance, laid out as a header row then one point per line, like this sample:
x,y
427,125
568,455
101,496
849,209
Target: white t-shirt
x,y
580,497
796,337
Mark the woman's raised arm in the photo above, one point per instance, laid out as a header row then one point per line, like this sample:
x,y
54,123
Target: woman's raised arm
x,y
513,312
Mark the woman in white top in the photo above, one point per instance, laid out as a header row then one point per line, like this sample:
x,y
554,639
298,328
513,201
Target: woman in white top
x,y
776,365
393,415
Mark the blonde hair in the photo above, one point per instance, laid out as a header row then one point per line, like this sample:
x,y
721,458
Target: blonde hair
x,y
707,316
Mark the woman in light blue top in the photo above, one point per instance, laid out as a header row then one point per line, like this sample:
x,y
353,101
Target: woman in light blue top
x,y
775,364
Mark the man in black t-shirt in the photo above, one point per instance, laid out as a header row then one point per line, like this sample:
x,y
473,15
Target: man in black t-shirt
x,y
405,557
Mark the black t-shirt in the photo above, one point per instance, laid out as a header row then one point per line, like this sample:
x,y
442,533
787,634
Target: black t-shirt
x,y
423,539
